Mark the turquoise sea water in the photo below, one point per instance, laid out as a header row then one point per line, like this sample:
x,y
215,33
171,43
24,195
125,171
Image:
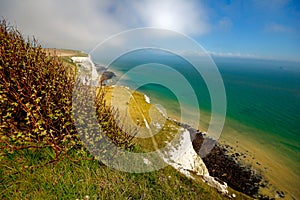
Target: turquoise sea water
x,y
263,94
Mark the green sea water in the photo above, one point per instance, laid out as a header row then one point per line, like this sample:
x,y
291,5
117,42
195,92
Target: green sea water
x,y
262,95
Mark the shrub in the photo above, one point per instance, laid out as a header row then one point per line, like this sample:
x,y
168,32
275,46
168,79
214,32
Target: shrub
x,y
36,99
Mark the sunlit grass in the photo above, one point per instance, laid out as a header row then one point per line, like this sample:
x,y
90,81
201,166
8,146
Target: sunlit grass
x,y
70,180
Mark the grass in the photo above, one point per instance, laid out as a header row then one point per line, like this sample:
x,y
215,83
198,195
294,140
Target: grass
x,y
65,52
70,180
65,55
141,113
139,109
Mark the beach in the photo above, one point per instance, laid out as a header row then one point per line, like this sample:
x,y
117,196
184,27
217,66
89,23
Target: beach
x,y
278,171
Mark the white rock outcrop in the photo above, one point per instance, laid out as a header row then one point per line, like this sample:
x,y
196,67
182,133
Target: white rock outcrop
x,y
87,68
182,156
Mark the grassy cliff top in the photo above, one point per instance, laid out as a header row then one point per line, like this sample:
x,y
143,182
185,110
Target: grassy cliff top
x,y
65,52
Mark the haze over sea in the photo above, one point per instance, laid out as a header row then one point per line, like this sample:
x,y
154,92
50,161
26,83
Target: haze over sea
x,y
263,98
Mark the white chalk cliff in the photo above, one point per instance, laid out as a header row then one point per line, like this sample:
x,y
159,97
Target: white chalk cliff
x,y
182,156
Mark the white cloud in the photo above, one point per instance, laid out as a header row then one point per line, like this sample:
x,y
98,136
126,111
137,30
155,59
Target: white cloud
x,y
188,17
225,24
82,24
234,55
252,56
66,24
270,5
277,28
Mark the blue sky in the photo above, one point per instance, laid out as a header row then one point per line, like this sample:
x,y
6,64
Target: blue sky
x,y
246,28
260,28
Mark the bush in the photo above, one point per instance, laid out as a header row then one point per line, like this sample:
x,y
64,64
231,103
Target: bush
x,y
36,99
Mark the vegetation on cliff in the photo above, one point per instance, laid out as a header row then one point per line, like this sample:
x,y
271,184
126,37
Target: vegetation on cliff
x,y
36,99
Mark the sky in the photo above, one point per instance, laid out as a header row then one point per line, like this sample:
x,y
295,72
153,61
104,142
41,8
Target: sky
x,y
247,28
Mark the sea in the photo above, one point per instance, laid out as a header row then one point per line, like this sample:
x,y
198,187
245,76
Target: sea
x,y
262,96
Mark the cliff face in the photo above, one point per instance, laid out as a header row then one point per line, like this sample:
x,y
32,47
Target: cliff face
x,y
182,156
86,68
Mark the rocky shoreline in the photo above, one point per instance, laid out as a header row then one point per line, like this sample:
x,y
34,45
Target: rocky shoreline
x,y
228,167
